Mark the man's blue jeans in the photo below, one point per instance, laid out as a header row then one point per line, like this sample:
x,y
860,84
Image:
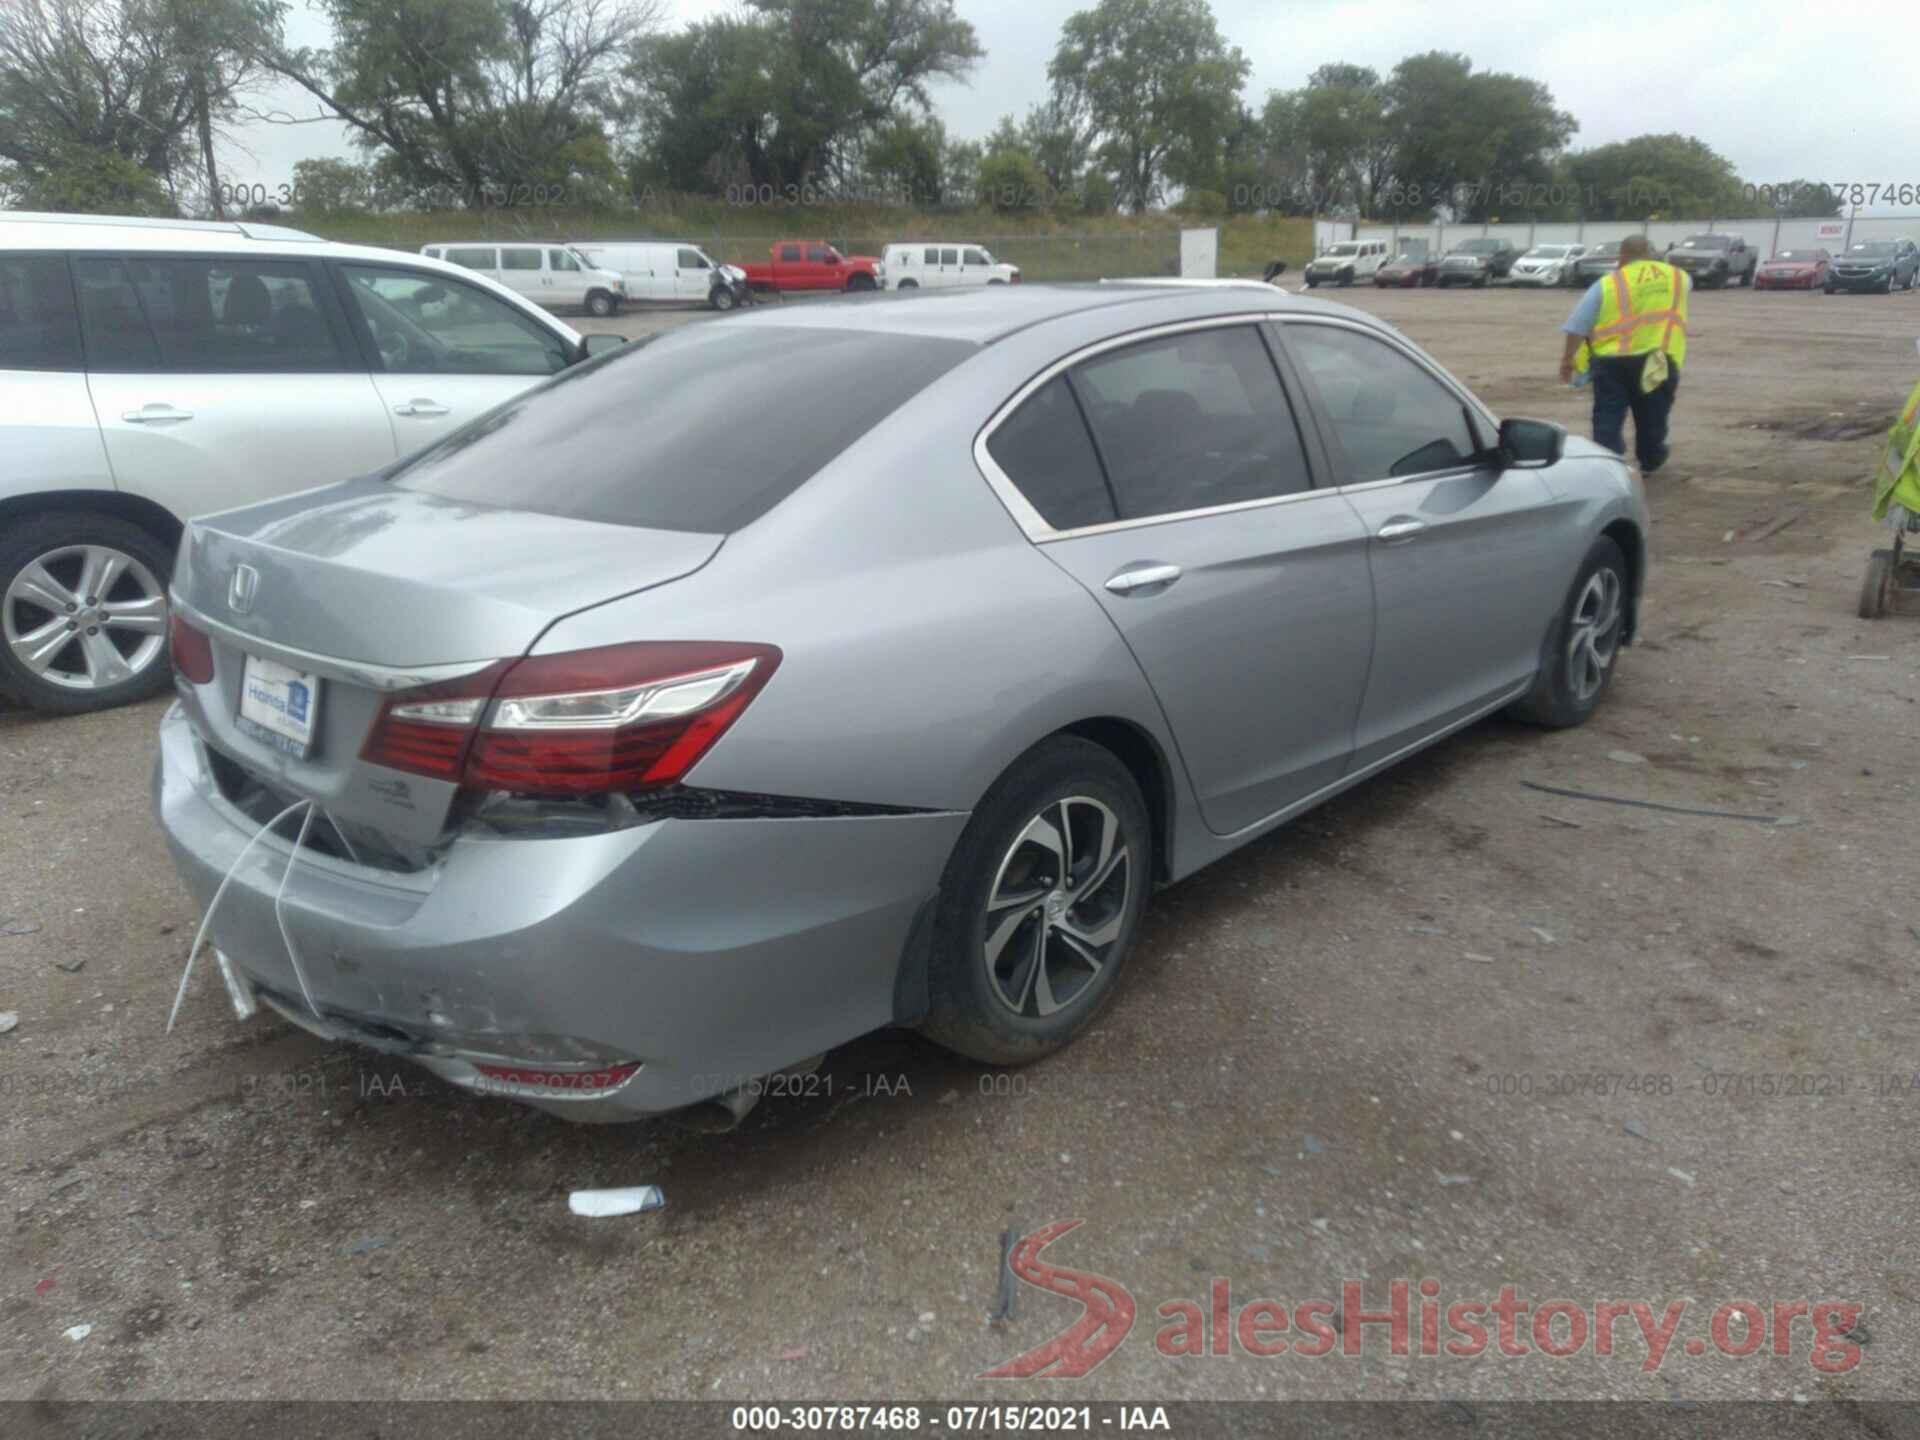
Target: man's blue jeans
x,y
1616,390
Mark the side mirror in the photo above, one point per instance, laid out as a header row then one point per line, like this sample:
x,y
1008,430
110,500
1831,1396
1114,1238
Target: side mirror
x,y
1531,444
592,345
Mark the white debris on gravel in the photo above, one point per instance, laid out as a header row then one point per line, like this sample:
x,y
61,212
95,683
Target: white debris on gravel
x,y
77,1333
630,1200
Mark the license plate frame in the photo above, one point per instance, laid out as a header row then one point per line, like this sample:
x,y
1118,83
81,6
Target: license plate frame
x,y
279,705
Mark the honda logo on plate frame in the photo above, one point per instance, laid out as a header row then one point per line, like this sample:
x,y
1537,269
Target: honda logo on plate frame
x,y
242,589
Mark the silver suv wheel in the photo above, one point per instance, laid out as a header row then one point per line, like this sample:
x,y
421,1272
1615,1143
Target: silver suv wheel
x,y
85,617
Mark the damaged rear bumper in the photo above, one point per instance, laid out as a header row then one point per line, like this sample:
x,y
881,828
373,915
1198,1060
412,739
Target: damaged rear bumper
x,y
709,951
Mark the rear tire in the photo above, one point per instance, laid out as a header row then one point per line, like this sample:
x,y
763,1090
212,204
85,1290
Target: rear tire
x,y
1024,956
1583,645
82,675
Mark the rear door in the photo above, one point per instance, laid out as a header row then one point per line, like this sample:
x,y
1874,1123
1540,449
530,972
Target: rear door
x,y
220,380
53,440
1171,478
442,351
1466,578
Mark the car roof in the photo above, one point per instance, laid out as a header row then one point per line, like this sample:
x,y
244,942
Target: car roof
x,y
990,313
47,230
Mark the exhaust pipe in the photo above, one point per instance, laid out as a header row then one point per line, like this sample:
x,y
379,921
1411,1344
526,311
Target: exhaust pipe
x,y
725,1111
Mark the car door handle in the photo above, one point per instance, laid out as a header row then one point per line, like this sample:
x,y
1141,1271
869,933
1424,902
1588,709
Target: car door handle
x,y
421,409
1142,577
155,415
1400,529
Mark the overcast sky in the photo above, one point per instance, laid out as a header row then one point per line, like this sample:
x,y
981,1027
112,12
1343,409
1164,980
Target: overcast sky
x,y
1783,90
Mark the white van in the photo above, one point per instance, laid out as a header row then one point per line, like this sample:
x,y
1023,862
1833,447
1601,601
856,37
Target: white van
x,y
941,264
660,270
549,275
1346,262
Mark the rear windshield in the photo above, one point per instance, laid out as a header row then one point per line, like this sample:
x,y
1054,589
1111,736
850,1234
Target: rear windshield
x,y
704,429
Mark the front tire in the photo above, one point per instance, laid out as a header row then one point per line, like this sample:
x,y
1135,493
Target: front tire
x,y
857,284
1039,905
600,304
1584,644
909,284
721,298
83,612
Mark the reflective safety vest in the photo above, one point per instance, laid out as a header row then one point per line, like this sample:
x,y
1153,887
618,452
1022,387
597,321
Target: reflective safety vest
x,y
1898,480
1643,306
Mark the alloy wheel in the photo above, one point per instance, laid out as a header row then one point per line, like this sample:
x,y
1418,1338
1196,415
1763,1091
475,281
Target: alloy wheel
x,y
1595,633
1057,907
85,617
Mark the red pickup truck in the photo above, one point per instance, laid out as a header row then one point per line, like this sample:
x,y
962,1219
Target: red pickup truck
x,y
814,265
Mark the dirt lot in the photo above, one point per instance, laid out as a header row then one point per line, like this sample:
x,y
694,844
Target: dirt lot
x,y
1392,1041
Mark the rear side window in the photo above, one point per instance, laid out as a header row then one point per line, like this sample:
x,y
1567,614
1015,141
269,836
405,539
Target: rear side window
x,y
1044,449
210,315
1193,421
39,327
573,447
473,259
1390,416
932,256
517,258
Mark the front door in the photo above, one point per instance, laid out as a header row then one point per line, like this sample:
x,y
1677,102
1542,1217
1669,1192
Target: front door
x,y
1465,580
443,351
1192,518
566,281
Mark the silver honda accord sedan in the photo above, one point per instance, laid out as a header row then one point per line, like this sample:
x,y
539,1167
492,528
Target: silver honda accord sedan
x,y
849,665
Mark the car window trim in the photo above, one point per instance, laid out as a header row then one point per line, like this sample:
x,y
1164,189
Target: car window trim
x,y
339,326
1035,525
1323,422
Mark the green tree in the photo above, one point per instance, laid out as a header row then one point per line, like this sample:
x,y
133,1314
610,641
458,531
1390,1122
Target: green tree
x,y
1347,141
904,159
92,180
1671,176
1475,143
483,97
330,187
1157,83
1806,200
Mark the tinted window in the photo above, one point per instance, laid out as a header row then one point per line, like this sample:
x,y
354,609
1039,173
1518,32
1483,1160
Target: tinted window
x,y
978,257
434,325
210,315
572,448
39,328
561,260
818,254
692,260
1192,421
932,256
949,257
472,259
519,259
789,252
1390,416
1044,449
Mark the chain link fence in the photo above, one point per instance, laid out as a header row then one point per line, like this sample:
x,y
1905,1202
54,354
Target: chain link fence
x,y
1040,257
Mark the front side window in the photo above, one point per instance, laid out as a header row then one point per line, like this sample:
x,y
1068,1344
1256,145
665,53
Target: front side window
x,y
39,326
1192,421
818,255
211,315
432,325
1390,416
692,259
978,257
472,257
560,260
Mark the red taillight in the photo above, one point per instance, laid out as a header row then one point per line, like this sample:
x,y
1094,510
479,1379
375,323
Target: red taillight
x,y
192,652
527,1077
591,722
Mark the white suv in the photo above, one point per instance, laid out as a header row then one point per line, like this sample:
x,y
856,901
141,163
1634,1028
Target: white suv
x,y
152,370
1346,262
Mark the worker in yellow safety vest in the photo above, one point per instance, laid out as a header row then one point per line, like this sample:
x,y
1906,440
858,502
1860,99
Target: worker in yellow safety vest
x,y
1628,337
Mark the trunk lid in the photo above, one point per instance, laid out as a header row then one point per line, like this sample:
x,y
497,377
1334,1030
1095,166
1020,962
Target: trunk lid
x,y
364,589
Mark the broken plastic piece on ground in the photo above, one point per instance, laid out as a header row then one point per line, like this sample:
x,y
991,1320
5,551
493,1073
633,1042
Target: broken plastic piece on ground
x,y
630,1200
77,1333
8,1019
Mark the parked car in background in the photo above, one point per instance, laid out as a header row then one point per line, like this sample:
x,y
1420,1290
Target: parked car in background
x,y
1548,265
1715,261
1478,261
154,370
1598,259
815,265
1794,270
1408,269
1883,265
554,276
1346,261
941,265
646,760
667,272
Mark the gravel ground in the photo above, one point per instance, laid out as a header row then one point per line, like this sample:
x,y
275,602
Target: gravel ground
x,y
1448,1028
